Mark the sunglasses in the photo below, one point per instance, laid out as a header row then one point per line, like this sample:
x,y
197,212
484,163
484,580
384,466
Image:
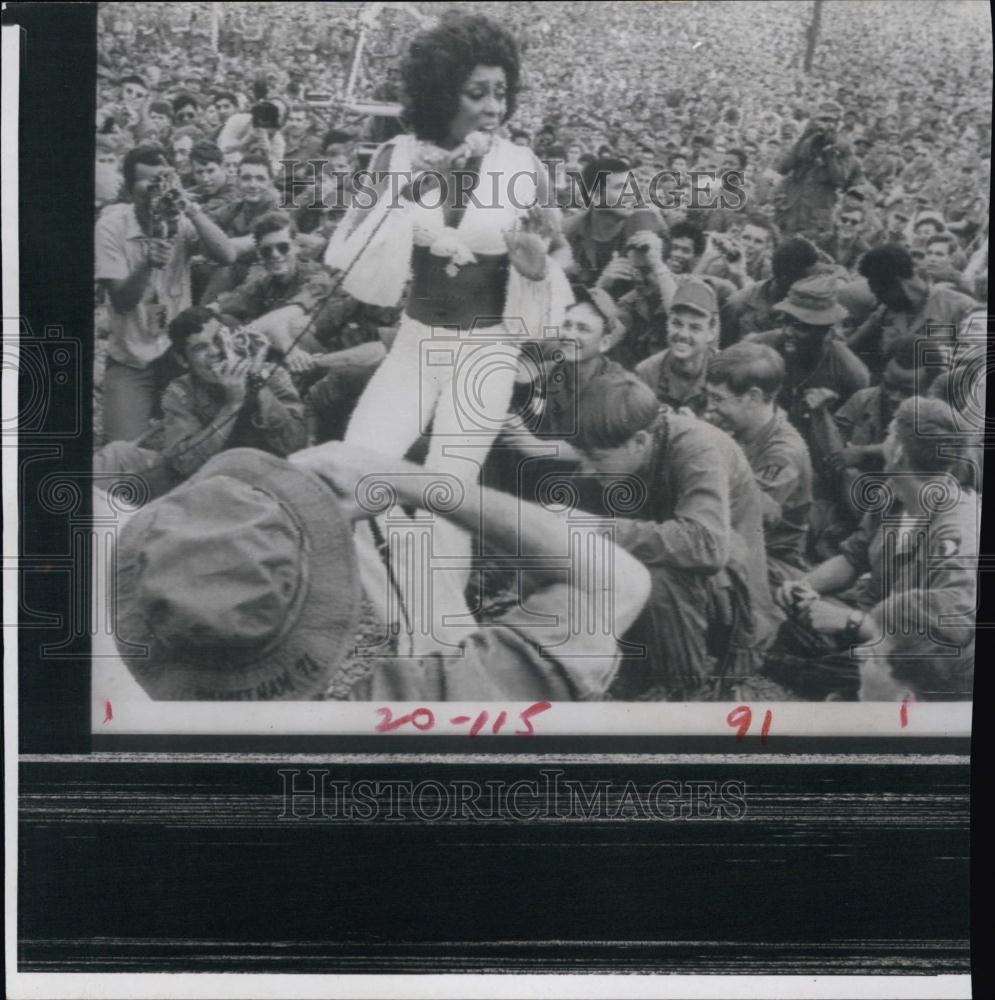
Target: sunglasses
x,y
186,116
849,220
270,250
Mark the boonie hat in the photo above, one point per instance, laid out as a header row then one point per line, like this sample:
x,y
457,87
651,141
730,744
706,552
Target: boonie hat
x,y
813,300
240,585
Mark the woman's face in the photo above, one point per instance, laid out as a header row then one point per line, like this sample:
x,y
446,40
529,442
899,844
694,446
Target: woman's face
x,y
483,103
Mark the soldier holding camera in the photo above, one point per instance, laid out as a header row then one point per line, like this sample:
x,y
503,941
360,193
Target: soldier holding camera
x,y
142,258
816,168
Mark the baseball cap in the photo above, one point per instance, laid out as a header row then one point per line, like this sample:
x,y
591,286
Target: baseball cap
x,y
695,294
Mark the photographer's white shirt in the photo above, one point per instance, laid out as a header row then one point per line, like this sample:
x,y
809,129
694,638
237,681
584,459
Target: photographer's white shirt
x,y
139,337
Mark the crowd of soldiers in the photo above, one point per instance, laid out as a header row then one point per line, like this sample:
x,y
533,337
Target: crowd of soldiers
x,y
778,326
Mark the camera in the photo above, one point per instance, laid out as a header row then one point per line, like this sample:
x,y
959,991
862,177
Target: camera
x,y
727,247
166,207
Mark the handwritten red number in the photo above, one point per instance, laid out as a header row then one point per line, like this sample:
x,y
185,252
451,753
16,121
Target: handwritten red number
x,y
427,719
108,712
499,722
740,718
903,712
478,723
420,718
765,728
526,717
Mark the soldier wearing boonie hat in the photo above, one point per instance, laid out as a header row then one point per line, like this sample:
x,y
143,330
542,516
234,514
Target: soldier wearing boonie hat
x,y
821,372
244,584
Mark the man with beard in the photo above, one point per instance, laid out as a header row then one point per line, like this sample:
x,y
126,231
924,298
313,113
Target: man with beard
x,y
612,215
815,170
821,371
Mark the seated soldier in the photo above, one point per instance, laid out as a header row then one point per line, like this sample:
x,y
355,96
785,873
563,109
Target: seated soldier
x,y
820,372
863,420
691,512
229,398
214,188
579,354
256,197
214,191
287,553
911,630
907,305
677,373
743,382
280,298
751,309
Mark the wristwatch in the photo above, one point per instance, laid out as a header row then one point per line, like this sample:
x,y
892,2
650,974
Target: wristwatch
x,y
854,622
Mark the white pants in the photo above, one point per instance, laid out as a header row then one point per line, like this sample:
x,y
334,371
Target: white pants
x,y
460,383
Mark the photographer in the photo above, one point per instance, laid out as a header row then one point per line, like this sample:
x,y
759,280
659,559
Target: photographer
x,y
142,257
229,398
642,311
816,168
723,259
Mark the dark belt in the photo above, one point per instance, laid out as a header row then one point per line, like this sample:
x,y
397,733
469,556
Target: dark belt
x,y
475,295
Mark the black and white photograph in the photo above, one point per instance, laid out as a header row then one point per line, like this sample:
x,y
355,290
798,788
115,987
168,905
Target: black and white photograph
x,y
503,377
479,353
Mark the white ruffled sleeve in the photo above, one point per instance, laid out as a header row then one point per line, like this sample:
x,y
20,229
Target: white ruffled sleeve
x,y
540,304
376,256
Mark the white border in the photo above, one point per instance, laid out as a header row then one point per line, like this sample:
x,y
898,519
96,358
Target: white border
x,y
429,987
331,718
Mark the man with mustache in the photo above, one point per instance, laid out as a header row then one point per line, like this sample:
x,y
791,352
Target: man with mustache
x,y
677,373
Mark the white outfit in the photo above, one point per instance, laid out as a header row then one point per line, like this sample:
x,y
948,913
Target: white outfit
x,y
459,379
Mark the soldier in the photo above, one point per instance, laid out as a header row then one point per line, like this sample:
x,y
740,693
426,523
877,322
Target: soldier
x,y
677,373
695,520
911,630
743,383
821,372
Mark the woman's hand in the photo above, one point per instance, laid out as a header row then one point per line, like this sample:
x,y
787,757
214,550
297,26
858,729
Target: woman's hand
x,y
528,243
